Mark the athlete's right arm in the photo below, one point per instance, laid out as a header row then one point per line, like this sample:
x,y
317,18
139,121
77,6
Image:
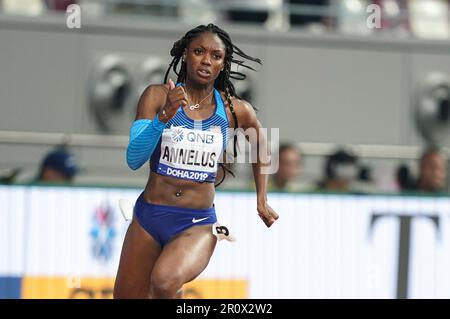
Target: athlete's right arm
x,y
149,125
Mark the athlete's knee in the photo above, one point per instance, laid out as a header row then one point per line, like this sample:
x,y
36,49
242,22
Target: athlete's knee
x,y
165,285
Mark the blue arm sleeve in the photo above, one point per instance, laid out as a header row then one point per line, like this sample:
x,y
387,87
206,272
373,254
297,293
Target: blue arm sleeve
x,y
144,135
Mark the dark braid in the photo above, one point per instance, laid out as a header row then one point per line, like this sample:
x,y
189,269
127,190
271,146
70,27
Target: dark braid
x,y
223,82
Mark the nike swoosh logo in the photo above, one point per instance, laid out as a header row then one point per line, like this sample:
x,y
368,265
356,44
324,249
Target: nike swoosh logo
x,y
198,220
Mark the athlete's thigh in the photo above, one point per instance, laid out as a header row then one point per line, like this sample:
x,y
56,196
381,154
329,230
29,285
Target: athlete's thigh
x,y
185,256
139,253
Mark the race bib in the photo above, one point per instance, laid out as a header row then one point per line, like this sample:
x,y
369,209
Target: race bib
x,y
190,154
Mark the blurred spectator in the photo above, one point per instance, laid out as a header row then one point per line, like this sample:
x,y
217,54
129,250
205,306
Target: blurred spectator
x,y
289,170
297,19
343,173
58,166
256,11
432,171
59,5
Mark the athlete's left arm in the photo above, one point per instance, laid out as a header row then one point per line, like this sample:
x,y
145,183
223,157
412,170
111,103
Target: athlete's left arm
x,y
250,124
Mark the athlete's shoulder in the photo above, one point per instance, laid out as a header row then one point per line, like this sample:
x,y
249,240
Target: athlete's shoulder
x,y
156,90
151,100
245,112
239,105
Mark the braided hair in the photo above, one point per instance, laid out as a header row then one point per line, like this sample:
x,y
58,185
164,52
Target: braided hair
x,y
223,81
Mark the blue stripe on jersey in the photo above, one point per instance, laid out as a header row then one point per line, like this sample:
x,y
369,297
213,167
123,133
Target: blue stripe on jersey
x,y
219,118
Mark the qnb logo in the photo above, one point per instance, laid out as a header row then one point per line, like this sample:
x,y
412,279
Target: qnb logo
x,y
177,135
73,16
200,137
102,233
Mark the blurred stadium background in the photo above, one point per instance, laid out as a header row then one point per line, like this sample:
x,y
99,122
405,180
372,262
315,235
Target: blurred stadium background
x,y
329,82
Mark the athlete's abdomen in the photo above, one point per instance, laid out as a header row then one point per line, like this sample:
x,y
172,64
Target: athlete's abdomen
x,y
162,189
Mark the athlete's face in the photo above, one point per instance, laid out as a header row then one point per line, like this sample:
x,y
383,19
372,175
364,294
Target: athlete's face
x,y
205,57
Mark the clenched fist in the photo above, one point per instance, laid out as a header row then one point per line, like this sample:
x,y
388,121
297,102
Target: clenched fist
x,y
267,214
176,97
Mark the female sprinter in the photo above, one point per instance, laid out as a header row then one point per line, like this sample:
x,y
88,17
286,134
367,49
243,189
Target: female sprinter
x,y
183,129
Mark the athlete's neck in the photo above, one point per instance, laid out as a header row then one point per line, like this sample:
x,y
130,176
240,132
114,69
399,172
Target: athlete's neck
x,y
197,92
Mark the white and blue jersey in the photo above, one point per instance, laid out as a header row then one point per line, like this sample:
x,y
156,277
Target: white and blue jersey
x,y
190,149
